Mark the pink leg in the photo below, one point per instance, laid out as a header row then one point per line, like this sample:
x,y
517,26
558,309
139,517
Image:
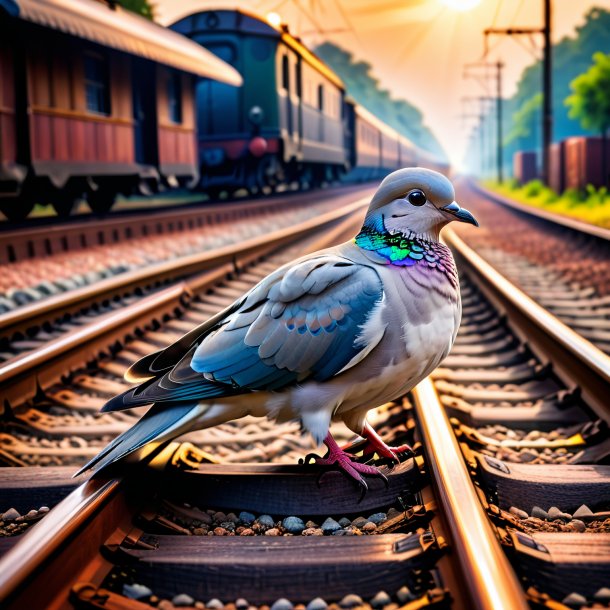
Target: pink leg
x,y
375,444
340,460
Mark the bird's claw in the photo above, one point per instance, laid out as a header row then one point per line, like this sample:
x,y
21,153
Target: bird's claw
x,y
343,463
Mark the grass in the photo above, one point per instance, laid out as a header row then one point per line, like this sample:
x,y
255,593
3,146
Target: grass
x,y
591,205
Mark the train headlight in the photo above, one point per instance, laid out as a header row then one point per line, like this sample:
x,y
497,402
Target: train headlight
x,y
256,115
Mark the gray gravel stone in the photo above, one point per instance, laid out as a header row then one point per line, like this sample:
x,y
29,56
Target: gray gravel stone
x,y
574,600
317,604
583,511
6,304
350,601
539,513
380,600
182,599
359,522
294,525
578,525
214,604
136,591
266,521
378,518
602,595
246,517
330,525
521,514
47,288
282,604
344,522
241,603
403,595
11,514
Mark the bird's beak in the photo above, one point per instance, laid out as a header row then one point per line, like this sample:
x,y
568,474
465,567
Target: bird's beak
x,y
461,214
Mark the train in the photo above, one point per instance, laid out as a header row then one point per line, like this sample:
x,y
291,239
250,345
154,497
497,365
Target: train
x,y
96,101
291,121
574,163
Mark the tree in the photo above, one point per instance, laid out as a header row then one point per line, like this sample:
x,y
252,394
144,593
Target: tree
x,y
590,101
526,121
142,7
366,90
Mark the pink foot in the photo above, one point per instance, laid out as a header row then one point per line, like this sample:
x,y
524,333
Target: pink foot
x,y
337,459
374,444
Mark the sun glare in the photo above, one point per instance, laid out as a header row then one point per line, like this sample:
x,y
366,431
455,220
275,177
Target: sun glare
x,y
461,5
274,20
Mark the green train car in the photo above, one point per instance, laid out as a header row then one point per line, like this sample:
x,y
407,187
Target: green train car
x,y
286,123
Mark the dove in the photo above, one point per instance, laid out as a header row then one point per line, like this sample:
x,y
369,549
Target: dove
x,y
326,337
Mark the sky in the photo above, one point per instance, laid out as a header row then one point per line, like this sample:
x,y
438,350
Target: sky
x,y
418,48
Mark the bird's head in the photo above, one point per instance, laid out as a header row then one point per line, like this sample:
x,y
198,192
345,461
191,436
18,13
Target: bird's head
x,y
415,201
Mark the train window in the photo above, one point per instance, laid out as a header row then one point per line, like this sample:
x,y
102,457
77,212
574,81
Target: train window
x,y
321,98
285,73
174,97
97,83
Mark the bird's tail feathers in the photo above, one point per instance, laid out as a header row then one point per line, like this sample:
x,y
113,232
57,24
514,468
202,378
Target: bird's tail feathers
x,y
162,422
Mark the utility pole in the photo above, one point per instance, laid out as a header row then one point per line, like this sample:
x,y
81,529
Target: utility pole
x,y
497,67
481,116
547,78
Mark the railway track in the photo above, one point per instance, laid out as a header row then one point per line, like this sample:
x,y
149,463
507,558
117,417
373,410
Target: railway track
x,y
560,262
63,263
505,505
31,327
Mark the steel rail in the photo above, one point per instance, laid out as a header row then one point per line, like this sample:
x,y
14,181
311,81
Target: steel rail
x,y
490,580
570,223
236,254
575,358
41,545
37,236
22,376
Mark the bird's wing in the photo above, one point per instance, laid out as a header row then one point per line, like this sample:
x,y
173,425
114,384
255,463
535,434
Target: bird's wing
x,y
305,321
310,323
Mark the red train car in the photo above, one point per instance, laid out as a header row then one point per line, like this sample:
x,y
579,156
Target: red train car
x,y
94,101
584,163
524,166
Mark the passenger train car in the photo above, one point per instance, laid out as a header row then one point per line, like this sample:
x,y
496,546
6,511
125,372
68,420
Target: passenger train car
x,y
94,100
291,120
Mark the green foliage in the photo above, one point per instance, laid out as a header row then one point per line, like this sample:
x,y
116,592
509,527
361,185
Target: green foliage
x,y
526,120
591,205
141,7
571,57
590,102
365,89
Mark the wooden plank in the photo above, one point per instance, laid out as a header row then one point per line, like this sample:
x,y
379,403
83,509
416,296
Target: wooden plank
x,y
544,485
265,568
560,562
35,486
287,490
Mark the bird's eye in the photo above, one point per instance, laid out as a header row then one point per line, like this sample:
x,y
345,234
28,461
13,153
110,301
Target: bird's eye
x,y
416,198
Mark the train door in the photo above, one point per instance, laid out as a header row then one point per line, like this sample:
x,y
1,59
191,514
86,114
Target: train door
x,y
286,88
144,112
